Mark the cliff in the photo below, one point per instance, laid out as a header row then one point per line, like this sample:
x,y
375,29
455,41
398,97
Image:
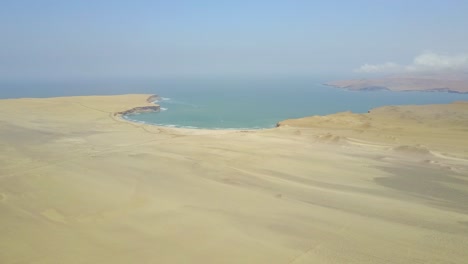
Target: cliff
x,y
151,107
140,109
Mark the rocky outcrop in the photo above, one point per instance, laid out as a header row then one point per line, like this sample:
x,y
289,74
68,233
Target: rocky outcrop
x,y
151,107
141,109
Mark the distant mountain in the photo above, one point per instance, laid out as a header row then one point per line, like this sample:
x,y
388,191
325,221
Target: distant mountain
x,y
453,82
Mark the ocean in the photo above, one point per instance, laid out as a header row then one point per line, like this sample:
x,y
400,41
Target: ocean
x,y
231,103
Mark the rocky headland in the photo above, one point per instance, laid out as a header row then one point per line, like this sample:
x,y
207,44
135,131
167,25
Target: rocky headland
x,y
143,109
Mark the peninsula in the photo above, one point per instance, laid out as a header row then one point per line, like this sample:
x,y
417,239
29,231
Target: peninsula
x,y
440,82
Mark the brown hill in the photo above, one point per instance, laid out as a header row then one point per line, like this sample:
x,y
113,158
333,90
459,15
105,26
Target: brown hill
x,y
440,82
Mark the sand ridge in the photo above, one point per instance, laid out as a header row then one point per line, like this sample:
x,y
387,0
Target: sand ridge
x,y
81,185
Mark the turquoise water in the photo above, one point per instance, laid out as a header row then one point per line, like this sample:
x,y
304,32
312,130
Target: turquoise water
x,y
261,104
231,103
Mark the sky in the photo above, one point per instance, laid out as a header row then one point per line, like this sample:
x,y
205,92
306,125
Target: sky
x,y
48,40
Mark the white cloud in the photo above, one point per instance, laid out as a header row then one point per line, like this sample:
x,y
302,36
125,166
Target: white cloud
x,y
386,67
427,61
433,61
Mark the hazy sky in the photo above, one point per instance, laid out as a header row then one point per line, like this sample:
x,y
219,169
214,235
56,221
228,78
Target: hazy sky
x,y
150,39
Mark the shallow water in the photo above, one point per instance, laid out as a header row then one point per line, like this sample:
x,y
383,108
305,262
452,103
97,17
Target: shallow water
x,y
263,104
231,103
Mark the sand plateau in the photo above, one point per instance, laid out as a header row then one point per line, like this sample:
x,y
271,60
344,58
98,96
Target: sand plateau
x,y
78,184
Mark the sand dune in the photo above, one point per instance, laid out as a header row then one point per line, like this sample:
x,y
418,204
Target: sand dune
x,y
80,185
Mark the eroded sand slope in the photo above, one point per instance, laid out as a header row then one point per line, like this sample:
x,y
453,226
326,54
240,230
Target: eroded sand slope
x,y
79,185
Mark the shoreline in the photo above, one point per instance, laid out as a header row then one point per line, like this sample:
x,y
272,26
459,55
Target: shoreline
x,y
455,82
283,123
156,108
150,106
184,131
372,88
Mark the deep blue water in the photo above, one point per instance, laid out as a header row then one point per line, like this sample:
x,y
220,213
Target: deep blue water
x,y
240,103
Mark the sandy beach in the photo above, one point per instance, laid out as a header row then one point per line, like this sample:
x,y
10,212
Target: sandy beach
x,y
78,184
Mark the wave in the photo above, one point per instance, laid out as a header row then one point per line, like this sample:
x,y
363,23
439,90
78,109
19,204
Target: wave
x,y
207,128
194,127
137,121
159,99
163,109
175,102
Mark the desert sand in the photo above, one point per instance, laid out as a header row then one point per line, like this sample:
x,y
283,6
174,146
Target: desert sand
x,y
78,184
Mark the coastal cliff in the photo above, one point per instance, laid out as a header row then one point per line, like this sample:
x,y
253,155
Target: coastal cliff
x,y
140,109
143,109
